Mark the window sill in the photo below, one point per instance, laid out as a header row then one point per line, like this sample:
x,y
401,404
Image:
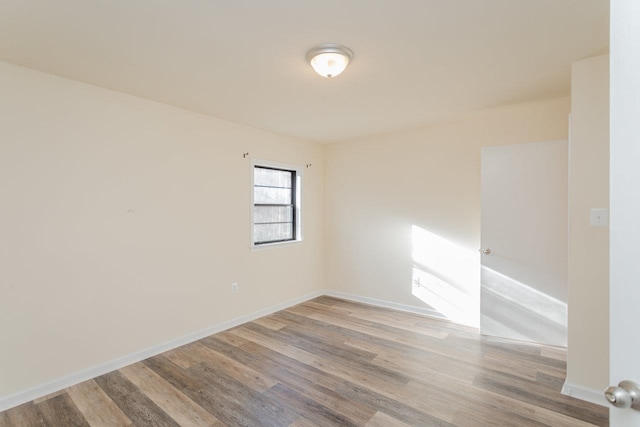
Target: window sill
x,y
268,246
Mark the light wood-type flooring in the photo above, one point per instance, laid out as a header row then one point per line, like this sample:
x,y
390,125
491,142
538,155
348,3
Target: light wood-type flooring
x,y
328,362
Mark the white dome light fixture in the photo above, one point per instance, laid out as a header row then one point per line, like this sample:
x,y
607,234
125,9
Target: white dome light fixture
x,y
329,60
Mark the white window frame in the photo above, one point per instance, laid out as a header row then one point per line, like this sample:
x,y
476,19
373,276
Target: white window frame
x,y
297,211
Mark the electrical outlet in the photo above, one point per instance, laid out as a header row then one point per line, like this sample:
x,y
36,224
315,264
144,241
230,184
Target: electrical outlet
x,y
234,287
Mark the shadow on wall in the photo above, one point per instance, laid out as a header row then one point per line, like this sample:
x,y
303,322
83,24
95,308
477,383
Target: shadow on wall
x,y
446,277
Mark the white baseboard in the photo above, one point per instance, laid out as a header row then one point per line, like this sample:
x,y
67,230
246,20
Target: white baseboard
x,y
386,304
584,393
41,390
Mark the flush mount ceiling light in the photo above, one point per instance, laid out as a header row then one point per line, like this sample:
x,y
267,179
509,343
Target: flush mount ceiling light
x,y
329,60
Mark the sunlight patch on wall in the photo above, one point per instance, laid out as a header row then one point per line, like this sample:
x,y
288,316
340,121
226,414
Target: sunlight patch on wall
x,y
446,277
518,311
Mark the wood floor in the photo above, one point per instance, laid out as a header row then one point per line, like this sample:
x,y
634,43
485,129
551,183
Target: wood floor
x,y
328,362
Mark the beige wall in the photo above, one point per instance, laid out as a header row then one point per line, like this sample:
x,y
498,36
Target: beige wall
x,y
123,223
383,192
588,357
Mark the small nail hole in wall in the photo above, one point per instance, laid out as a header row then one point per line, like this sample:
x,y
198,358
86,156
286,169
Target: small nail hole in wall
x,y
244,155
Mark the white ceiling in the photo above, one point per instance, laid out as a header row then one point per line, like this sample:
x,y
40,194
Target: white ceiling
x,y
415,61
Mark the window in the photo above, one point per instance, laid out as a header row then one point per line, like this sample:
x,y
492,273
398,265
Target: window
x,y
275,204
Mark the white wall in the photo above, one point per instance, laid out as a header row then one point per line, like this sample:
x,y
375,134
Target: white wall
x,y
588,355
391,199
123,223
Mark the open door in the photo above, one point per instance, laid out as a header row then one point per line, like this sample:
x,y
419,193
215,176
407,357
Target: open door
x,y
625,211
524,242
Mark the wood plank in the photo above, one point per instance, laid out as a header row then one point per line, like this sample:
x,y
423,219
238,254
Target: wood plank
x,y
355,412
314,411
276,345
303,422
342,360
554,353
182,379
327,346
136,406
326,300
270,322
256,407
178,406
23,415
49,396
289,370
465,419
397,319
394,408
182,356
197,389
61,411
96,407
380,419
241,372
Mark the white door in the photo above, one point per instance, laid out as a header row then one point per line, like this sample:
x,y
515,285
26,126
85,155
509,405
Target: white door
x,y
524,237
625,202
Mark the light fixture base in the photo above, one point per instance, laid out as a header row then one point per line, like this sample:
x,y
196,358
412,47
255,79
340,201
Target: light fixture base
x,y
330,59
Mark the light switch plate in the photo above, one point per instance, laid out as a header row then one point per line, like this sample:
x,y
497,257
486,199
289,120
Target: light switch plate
x,y
599,217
